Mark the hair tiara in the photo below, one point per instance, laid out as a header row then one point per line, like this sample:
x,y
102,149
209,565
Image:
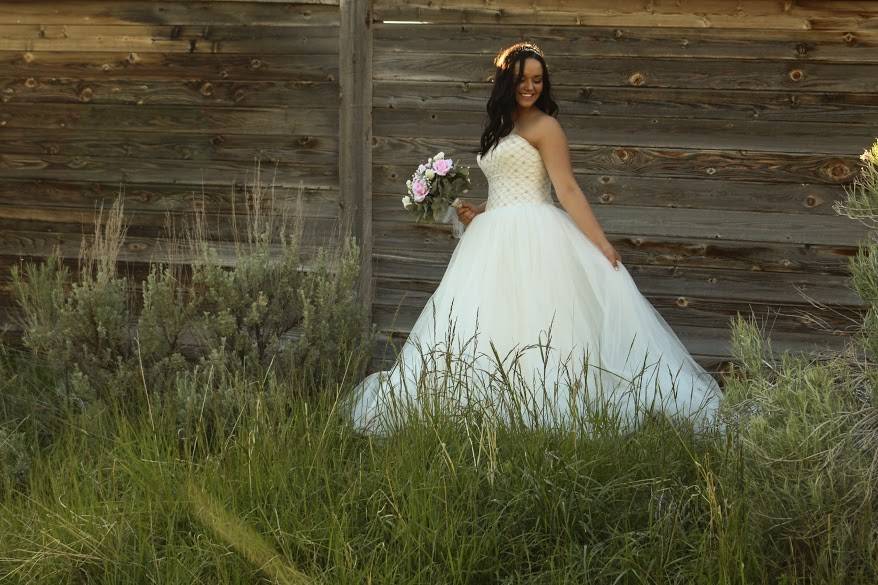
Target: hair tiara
x,y
502,59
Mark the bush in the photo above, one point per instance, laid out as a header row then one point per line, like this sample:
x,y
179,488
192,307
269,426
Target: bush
x,y
261,313
807,435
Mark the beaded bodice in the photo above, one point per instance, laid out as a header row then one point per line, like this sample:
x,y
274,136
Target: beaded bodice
x,y
515,173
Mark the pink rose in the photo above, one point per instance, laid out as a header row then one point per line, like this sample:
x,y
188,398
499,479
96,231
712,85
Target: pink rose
x,y
420,190
442,166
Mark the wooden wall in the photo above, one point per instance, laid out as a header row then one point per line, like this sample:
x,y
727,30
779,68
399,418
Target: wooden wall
x,y
172,100
711,138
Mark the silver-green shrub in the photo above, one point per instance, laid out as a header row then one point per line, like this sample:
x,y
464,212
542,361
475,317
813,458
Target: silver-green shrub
x,y
261,311
807,433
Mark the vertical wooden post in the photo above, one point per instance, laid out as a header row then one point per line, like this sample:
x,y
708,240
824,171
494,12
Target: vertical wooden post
x,y
355,132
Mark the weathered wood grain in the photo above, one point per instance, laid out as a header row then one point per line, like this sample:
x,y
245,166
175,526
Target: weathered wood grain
x,y
125,170
97,12
181,144
691,102
253,121
662,191
618,41
169,92
396,157
396,309
355,134
224,39
416,274
660,132
659,72
394,240
748,14
148,65
20,237
742,226
163,198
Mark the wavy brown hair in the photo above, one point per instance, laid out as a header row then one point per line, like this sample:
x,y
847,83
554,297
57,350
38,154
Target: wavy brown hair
x,y
502,102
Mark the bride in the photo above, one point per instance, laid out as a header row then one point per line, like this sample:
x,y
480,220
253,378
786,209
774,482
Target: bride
x,y
536,319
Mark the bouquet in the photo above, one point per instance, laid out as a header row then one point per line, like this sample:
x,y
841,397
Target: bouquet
x,y
434,189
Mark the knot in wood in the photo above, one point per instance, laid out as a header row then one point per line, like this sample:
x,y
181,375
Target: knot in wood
x,y
849,38
838,170
206,89
606,197
28,57
797,75
30,83
622,154
85,94
637,79
682,302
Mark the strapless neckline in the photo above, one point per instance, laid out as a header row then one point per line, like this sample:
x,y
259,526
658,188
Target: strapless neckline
x,y
516,135
526,141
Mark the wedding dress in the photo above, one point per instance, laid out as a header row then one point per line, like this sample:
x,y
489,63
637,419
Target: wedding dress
x,y
532,323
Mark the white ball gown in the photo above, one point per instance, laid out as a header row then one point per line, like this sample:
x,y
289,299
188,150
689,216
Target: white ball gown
x,y
532,323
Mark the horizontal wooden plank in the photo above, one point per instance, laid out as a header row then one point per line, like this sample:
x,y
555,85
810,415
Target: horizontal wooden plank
x,y
397,156
223,39
159,198
134,65
614,41
137,144
135,219
189,172
633,102
665,132
759,14
435,244
98,12
251,121
742,226
710,345
657,191
398,309
24,238
416,274
169,92
728,74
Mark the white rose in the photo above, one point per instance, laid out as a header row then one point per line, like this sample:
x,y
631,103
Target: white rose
x,y
439,156
430,173
406,201
408,183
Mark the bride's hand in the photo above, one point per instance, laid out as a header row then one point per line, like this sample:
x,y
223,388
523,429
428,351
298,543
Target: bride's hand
x,y
466,212
612,255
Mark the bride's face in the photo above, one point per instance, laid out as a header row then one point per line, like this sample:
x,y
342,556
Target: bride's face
x,y
531,86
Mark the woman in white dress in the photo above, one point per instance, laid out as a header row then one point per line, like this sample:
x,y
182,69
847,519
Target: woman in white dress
x,y
536,320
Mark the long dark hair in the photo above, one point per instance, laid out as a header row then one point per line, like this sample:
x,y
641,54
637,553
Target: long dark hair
x,y
502,102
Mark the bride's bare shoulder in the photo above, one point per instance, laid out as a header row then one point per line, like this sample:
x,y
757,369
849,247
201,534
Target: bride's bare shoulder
x,y
547,130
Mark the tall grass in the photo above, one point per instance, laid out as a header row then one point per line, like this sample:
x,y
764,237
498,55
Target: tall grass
x,y
230,477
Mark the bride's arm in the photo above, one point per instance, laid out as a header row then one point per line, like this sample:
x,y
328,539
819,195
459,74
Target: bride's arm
x,y
556,157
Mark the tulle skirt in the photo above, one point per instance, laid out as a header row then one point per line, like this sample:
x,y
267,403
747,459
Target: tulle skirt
x,y
532,324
